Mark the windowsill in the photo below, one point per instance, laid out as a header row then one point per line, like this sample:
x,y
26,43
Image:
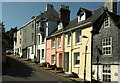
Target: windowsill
x,y
76,66
59,46
107,55
42,42
106,26
42,58
79,43
68,45
53,48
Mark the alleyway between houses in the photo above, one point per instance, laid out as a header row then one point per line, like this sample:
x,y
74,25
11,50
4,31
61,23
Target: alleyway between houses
x,y
20,71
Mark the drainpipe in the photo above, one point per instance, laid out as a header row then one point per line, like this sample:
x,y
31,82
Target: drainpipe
x,y
35,39
63,53
71,50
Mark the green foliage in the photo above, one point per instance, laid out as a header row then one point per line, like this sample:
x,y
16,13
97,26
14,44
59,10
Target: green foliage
x,y
7,37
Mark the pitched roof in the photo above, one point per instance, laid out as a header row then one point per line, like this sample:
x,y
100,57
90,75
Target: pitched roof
x,y
95,15
83,9
49,14
91,19
115,18
73,23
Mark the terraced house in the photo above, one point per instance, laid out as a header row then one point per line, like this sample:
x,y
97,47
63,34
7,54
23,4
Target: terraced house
x,y
106,53
46,24
77,42
54,44
18,42
87,45
33,34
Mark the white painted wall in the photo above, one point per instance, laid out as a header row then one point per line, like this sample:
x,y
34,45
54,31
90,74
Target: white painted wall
x,y
31,54
49,27
114,72
18,44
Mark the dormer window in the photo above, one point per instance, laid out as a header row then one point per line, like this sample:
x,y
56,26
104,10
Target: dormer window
x,y
106,22
81,17
60,25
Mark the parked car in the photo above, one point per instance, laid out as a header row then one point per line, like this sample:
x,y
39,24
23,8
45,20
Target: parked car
x,y
9,51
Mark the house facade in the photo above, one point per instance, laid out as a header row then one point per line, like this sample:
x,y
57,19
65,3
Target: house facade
x,y
30,39
75,45
28,42
54,42
46,23
106,58
18,43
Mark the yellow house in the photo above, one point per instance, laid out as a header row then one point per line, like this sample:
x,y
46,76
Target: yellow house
x,y
74,52
77,44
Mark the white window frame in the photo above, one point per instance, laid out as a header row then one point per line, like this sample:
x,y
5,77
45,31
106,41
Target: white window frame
x,y
43,54
53,43
105,72
80,36
106,22
53,59
105,46
69,39
32,49
76,57
60,25
59,41
82,16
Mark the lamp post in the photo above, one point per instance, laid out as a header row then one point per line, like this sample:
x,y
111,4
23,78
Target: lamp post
x,y
85,57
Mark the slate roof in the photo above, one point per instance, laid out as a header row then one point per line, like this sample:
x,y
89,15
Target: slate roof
x,y
50,14
73,23
83,9
95,14
91,19
115,18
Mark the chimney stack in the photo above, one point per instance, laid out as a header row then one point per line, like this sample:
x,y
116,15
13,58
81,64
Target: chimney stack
x,y
64,14
111,5
49,7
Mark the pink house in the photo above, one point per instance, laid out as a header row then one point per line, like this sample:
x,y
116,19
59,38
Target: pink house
x,y
54,43
54,50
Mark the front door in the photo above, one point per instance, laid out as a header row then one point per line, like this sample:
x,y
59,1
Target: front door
x,y
60,60
68,61
38,56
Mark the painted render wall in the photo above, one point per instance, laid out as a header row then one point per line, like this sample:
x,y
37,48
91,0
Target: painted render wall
x,y
54,51
18,45
80,48
49,26
114,72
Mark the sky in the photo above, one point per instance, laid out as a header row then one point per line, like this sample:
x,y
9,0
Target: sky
x,y
19,13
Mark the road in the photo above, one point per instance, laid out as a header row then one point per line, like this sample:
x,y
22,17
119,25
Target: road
x,y
21,72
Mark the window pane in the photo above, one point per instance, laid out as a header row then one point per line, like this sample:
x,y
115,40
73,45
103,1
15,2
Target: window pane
x,y
69,39
76,58
107,46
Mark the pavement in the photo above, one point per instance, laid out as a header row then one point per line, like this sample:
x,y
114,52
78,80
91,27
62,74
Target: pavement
x,y
21,70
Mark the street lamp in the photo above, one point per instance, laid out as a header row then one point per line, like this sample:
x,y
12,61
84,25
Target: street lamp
x,y
85,57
